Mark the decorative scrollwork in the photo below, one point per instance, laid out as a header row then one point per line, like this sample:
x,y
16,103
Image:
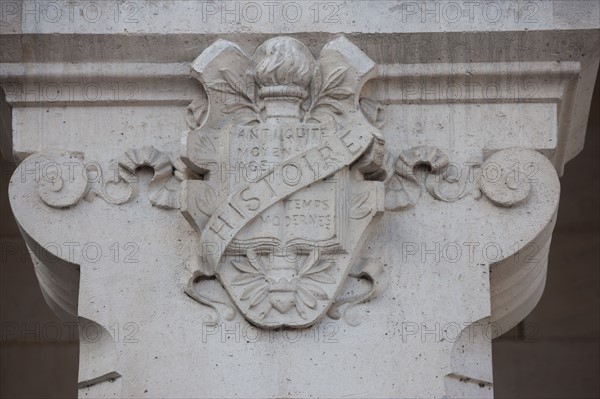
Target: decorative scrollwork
x,y
66,178
369,271
163,190
506,176
62,182
199,275
428,169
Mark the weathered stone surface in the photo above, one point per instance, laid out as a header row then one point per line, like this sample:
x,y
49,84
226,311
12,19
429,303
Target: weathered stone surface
x,y
325,215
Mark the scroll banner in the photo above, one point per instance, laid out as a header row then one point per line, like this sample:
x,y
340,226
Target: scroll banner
x,y
242,206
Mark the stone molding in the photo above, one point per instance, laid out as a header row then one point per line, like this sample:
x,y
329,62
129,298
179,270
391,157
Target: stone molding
x,y
441,83
406,175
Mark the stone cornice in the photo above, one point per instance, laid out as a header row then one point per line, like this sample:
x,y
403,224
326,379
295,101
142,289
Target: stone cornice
x,y
219,18
522,45
149,84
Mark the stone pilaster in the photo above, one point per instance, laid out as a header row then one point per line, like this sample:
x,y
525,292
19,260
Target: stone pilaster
x,y
321,207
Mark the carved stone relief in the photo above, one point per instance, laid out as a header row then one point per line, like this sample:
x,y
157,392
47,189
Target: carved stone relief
x,y
285,154
504,178
113,183
283,174
281,206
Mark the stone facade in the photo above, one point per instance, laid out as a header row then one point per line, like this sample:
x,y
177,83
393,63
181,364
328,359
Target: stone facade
x,y
297,207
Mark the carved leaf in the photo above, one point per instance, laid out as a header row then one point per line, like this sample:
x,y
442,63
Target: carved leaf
x,y
332,105
236,106
306,297
255,262
322,278
206,201
205,145
320,267
243,93
222,87
252,290
309,263
245,278
359,207
316,291
328,98
334,78
259,296
245,267
339,93
236,84
301,307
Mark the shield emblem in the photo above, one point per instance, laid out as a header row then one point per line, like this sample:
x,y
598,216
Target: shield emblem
x,y
290,170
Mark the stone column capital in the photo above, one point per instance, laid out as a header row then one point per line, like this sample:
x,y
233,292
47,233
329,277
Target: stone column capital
x,y
248,204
